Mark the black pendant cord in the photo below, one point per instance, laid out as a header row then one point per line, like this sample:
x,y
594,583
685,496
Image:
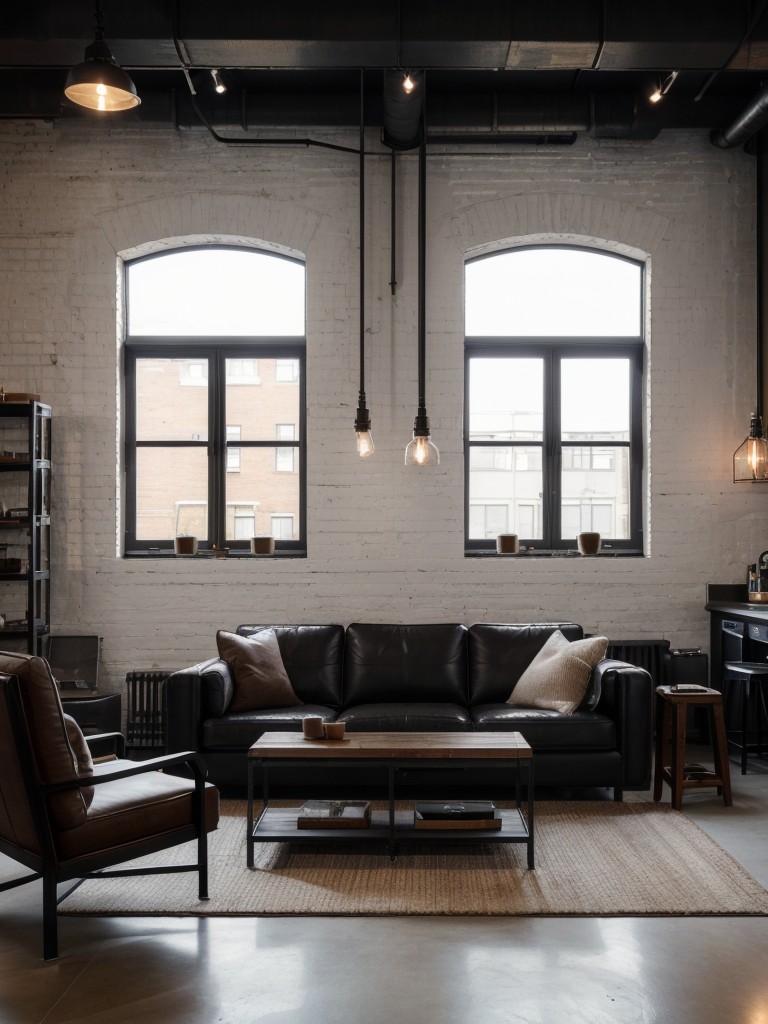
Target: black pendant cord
x,y
762,141
393,222
362,420
422,322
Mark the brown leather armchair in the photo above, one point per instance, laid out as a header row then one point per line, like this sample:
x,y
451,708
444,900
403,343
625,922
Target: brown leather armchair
x,y
66,818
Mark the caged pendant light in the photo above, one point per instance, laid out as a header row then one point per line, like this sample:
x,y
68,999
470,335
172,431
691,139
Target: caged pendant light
x,y
420,450
99,82
363,417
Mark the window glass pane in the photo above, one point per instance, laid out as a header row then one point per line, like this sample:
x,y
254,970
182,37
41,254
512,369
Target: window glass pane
x,y
171,493
506,399
596,493
594,399
553,292
261,404
504,501
260,491
219,292
167,408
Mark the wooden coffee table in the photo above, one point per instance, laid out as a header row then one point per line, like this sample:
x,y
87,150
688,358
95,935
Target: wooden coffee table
x,y
392,753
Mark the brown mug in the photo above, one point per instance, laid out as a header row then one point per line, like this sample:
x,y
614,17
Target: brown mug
x,y
334,730
312,727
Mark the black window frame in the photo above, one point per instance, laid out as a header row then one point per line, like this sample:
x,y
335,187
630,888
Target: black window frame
x,y
552,352
216,355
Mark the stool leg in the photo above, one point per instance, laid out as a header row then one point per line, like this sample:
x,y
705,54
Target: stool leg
x,y
744,723
720,749
678,755
662,742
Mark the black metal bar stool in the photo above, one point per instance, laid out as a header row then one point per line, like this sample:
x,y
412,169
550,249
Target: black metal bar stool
x,y
749,675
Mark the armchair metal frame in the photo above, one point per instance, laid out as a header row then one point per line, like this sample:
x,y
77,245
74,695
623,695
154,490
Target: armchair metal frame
x,y
46,864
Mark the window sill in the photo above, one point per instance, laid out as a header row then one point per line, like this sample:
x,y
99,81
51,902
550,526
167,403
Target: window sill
x,y
623,553
233,556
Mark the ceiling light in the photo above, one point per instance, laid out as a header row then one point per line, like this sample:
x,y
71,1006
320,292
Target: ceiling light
x,y
662,88
408,83
218,83
750,460
420,451
363,417
99,82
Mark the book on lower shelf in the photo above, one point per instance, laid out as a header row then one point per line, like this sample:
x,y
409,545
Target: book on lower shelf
x,y
334,814
457,814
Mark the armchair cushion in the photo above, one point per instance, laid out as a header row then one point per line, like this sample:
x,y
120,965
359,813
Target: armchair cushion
x,y
260,679
82,756
45,715
558,677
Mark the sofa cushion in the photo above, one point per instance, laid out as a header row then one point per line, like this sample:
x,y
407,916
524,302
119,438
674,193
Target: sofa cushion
x,y
406,717
241,730
313,657
55,759
548,730
499,653
260,678
558,676
405,663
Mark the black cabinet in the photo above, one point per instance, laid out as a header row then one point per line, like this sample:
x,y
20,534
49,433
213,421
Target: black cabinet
x,y
95,712
25,524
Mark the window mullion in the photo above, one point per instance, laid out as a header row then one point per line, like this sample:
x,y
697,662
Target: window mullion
x,y
217,448
551,468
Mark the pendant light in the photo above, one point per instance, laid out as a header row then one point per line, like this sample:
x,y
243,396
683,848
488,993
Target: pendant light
x,y
420,450
750,460
99,82
363,417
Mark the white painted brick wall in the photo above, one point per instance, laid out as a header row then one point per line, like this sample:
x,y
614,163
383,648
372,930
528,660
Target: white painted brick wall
x,y
385,543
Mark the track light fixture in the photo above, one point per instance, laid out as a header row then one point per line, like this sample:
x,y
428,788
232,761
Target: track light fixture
x,y
218,82
662,88
99,82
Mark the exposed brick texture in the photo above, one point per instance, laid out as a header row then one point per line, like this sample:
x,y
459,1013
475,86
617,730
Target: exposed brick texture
x,y
385,542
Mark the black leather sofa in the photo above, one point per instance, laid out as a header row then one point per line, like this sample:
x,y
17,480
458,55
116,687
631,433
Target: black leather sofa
x,y
440,677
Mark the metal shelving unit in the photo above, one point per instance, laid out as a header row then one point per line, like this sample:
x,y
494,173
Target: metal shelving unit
x,y
25,524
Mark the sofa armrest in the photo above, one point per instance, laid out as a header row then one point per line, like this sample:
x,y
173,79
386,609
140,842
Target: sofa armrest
x,y
626,696
188,699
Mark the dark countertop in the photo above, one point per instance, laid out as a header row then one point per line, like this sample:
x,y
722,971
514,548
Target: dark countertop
x,y
731,599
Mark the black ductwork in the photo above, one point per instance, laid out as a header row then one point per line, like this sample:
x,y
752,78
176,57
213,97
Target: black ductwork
x,y
402,111
748,123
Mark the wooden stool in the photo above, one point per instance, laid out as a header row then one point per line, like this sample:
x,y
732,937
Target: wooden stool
x,y
671,708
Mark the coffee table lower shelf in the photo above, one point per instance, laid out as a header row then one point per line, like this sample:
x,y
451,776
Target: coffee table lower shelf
x,y
279,825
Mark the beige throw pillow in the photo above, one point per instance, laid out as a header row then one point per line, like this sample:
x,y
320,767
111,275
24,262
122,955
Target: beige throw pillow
x,y
558,676
258,672
82,754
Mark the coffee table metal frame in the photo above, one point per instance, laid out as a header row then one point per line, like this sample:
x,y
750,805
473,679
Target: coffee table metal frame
x,y
389,826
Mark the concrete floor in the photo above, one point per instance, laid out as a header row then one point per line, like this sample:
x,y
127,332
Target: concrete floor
x,y
409,970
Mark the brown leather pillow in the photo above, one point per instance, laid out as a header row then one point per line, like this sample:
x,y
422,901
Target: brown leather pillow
x,y
82,756
259,676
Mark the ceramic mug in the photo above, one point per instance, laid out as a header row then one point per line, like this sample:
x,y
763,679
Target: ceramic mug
x,y
335,730
312,727
507,544
589,543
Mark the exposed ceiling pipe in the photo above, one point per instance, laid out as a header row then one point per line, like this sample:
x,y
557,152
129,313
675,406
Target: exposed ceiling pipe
x,y
748,123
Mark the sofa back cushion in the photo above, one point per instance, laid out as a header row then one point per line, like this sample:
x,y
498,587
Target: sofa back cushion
x,y
500,653
405,663
313,657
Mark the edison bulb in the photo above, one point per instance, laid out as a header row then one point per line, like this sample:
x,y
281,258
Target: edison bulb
x,y
364,444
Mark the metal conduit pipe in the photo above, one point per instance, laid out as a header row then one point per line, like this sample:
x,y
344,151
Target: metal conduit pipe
x,y
748,123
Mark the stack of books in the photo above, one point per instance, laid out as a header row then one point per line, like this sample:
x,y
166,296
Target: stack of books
x,y
458,814
334,814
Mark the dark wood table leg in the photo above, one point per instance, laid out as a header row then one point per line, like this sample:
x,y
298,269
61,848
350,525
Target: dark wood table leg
x,y
720,743
662,740
678,754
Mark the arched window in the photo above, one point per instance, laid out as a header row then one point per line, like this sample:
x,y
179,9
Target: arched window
x,y
214,386
553,405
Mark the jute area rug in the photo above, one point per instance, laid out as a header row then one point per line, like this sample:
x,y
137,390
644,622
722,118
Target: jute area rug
x,y
592,858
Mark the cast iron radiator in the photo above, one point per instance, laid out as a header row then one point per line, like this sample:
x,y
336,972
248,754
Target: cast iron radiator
x,y
652,655
145,726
